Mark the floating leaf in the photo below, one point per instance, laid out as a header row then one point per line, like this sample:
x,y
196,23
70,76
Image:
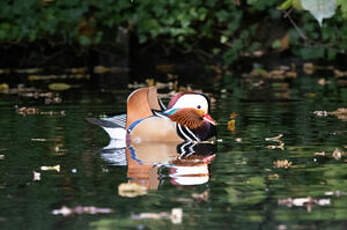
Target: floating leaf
x,y
280,146
55,167
175,216
36,176
319,154
59,86
66,211
131,190
276,138
282,164
320,9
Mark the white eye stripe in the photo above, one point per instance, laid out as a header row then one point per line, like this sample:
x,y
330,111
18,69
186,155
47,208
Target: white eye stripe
x,y
192,101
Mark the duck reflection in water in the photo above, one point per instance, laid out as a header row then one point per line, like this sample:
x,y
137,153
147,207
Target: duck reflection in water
x,y
151,136
186,163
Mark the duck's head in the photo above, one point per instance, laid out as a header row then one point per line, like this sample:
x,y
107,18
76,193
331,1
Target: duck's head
x,y
190,109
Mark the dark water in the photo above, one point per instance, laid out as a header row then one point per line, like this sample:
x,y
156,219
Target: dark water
x,y
245,189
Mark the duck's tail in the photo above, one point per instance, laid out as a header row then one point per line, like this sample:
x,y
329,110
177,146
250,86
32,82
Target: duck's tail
x,y
114,126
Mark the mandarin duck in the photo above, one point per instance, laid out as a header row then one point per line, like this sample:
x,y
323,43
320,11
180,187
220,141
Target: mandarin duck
x,y
147,120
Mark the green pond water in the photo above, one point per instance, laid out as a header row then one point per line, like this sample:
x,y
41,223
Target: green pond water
x,y
242,188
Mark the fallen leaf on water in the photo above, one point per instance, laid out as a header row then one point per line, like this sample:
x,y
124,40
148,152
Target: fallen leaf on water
x,y
311,95
59,86
340,113
55,167
336,193
175,216
201,196
66,211
308,68
321,113
27,111
337,154
36,176
309,202
291,74
39,139
231,125
276,138
319,154
339,73
131,190
2,156
280,146
4,87
282,164
273,176
323,82
164,68
238,140
231,122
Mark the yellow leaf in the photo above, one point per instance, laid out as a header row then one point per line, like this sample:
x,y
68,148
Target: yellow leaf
x,y
131,190
59,86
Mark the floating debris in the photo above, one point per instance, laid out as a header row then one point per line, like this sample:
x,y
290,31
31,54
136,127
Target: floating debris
x,y
60,86
319,154
47,168
282,164
273,176
39,139
340,113
231,122
175,216
276,138
131,190
336,193
323,82
280,146
337,154
36,176
238,140
308,68
34,111
2,156
201,196
66,211
309,202
339,73
27,111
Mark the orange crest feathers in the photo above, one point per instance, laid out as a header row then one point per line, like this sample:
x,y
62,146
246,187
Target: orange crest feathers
x,y
190,117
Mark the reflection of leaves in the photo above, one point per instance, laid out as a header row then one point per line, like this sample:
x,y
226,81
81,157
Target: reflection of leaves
x,y
320,9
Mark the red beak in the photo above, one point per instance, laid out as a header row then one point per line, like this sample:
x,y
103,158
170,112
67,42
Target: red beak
x,y
209,119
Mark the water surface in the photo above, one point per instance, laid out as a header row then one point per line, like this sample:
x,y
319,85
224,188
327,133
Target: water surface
x,y
245,188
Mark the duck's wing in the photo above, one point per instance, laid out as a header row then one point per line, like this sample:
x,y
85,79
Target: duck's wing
x,y
141,103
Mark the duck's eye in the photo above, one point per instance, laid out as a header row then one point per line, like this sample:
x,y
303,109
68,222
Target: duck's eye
x,y
199,106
